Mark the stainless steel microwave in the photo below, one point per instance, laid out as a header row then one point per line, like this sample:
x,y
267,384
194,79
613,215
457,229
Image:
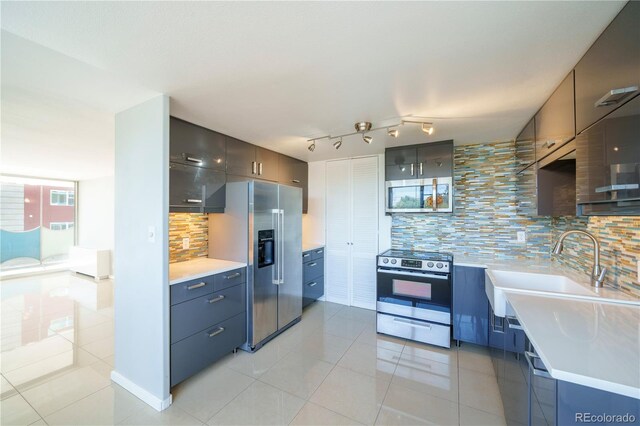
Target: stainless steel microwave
x,y
419,195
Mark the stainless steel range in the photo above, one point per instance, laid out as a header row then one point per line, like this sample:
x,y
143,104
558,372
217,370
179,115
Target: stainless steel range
x,y
414,296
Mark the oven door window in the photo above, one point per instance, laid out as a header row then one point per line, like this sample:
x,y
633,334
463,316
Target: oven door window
x,y
411,289
405,197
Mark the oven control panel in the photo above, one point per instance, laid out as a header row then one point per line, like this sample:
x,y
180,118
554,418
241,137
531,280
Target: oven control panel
x,y
423,265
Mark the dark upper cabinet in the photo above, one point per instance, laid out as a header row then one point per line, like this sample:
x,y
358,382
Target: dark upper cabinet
x,y
526,146
556,182
196,189
245,159
608,164
527,191
294,172
424,161
400,163
195,145
555,122
241,158
435,160
610,70
267,164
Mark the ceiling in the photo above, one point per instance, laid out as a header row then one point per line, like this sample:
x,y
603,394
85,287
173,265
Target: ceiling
x,y
278,73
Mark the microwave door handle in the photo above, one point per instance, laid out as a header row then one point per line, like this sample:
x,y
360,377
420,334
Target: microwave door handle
x,y
435,195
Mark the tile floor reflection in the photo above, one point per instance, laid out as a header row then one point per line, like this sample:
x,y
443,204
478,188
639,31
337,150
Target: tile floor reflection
x,y
330,369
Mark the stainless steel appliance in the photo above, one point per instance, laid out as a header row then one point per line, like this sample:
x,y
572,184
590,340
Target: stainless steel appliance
x,y
414,296
419,195
262,226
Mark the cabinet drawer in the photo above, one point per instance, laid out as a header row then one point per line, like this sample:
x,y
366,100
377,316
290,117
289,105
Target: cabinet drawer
x,y
198,351
229,278
307,256
420,331
312,269
317,253
191,289
194,315
313,289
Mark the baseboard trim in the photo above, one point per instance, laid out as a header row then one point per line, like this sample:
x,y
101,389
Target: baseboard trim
x,y
155,402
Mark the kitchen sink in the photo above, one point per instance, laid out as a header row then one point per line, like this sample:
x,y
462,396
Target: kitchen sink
x,y
498,282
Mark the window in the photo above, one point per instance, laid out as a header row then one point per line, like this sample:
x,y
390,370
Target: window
x,y
60,226
62,198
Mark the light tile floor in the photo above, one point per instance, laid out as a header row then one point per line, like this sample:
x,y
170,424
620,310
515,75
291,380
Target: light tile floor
x,y
330,369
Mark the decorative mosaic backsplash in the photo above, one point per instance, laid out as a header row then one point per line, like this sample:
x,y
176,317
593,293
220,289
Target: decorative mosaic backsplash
x,y
194,226
486,218
619,238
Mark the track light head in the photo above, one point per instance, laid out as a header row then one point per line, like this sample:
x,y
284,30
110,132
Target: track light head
x,y
427,128
337,144
367,139
312,147
393,133
363,126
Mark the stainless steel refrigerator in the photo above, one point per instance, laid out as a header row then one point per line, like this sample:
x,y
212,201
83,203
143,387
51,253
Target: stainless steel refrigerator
x,y
262,226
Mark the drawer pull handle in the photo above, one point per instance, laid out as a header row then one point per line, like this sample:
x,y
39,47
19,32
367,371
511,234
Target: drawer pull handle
x,y
313,284
192,201
319,251
619,187
549,144
530,357
194,286
216,299
614,96
413,323
313,264
295,180
306,254
215,333
193,159
232,276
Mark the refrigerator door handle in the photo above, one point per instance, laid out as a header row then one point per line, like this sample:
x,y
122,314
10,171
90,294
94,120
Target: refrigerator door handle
x,y
281,226
275,270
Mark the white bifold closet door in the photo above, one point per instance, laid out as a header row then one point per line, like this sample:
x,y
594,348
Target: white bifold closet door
x,y
352,231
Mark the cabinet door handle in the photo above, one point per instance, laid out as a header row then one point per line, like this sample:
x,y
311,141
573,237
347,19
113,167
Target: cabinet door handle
x,y
254,168
420,169
295,180
313,264
192,159
412,169
215,333
549,144
319,251
217,299
614,96
192,201
194,286
306,254
260,169
313,284
232,276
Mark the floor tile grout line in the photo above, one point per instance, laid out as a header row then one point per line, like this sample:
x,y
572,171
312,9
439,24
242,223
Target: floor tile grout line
x,y
232,399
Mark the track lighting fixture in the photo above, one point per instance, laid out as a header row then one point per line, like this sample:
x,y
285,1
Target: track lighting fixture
x,y
364,127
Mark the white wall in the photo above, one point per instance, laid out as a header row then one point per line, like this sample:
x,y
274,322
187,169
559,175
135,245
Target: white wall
x,y
314,222
95,213
141,262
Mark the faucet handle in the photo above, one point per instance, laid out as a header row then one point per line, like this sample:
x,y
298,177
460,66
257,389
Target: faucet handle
x,y
603,272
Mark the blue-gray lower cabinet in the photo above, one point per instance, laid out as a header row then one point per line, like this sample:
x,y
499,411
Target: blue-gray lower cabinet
x,y
313,275
207,321
470,306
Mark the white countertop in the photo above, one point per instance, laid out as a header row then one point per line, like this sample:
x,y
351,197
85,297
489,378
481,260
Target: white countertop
x,y
585,342
306,246
198,268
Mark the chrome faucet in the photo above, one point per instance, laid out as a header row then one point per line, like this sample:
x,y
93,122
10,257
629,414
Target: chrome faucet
x,y
598,273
